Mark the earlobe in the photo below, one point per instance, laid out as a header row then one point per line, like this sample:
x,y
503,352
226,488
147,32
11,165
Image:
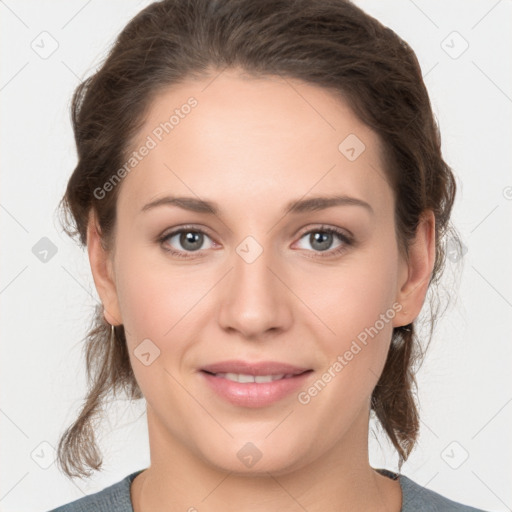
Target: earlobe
x,y
102,272
417,271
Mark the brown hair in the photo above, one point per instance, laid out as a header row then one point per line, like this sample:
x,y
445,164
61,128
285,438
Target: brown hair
x,y
328,43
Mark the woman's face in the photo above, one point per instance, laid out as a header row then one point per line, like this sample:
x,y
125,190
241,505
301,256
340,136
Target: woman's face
x,y
253,281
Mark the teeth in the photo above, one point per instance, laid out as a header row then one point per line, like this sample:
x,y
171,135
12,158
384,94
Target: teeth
x,y
241,377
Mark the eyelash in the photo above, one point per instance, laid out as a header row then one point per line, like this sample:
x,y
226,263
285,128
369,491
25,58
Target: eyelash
x,y
346,239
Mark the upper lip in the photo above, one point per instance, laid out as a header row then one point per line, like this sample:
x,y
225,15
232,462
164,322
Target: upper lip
x,y
255,368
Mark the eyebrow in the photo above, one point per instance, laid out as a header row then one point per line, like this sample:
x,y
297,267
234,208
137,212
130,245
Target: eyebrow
x,y
311,204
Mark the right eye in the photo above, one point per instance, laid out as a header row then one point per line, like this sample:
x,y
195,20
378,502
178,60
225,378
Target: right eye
x,y
190,239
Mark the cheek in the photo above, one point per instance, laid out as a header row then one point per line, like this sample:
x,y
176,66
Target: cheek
x,y
352,296
141,301
162,303
154,306
356,309
152,293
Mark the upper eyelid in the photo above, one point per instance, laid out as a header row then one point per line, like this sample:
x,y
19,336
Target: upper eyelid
x,y
180,229
325,227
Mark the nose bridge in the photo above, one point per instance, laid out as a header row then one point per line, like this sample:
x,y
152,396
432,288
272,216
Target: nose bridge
x,y
254,300
251,267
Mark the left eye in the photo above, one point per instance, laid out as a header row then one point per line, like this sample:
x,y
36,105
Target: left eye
x,y
321,239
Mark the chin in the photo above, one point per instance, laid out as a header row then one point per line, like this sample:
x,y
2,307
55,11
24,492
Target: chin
x,y
254,458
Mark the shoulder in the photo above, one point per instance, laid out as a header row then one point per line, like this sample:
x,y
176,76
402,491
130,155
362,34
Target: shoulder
x,y
115,498
417,498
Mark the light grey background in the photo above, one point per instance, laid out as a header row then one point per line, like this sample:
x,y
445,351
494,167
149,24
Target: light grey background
x,y
465,390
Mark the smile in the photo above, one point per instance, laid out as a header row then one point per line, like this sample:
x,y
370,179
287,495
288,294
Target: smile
x,y
242,377
244,390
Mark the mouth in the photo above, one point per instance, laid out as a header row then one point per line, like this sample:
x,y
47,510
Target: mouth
x,y
244,378
256,369
254,384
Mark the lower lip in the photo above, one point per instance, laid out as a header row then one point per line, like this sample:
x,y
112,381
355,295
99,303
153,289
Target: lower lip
x,y
255,394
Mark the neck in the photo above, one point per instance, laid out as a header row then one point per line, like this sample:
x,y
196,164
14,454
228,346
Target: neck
x,y
339,480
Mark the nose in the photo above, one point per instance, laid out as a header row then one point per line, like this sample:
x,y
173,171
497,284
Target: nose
x,y
255,301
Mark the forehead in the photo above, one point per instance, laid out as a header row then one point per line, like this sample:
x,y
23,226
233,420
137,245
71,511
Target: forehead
x,y
242,141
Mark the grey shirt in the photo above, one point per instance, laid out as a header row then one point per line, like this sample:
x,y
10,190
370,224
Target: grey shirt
x,y
415,498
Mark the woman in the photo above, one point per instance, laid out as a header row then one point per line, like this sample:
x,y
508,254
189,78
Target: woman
x,y
262,194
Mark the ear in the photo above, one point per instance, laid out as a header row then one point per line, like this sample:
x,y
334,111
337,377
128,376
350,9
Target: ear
x,y
415,273
102,272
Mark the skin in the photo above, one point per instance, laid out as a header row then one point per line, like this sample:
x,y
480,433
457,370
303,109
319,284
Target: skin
x,y
251,146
